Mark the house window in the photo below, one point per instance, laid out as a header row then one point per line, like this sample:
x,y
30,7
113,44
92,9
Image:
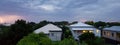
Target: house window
x,y
104,33
97,31
108,33
52,34
84,31
90,31
112,34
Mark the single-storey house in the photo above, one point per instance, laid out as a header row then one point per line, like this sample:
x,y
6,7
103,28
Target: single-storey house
x,y
80,28
53,32
112,33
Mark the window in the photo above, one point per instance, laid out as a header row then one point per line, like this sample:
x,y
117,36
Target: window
x,y
104,33
52,34
112,34
97,31
90,31
84,31
108,33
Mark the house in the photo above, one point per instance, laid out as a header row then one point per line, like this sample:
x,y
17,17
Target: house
x,y
80,28
112,33
5,24
53,32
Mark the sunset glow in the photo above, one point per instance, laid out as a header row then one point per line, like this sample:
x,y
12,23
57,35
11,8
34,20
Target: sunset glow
x,y
9,18
83,20
1,20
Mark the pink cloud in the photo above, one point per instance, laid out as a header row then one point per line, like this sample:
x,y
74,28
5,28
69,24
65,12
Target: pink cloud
x,y
9,18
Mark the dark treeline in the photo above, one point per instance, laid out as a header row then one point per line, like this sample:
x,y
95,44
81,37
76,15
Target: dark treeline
x,y
10,35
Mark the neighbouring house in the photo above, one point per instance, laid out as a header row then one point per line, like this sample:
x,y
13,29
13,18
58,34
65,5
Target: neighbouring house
x,y
5,24
112,33
52,31
80,28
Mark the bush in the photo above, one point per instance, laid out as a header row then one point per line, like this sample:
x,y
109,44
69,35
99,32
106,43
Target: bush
x,y
83,43
90,39
86,36
68,42
35,39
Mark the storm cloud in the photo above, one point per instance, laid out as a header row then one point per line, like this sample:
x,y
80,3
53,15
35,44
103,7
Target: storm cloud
x,y
61,10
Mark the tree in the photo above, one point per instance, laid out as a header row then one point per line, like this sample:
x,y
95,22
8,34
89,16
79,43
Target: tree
x,y
61,24
74,22
16,32
100,25
113,24
3,32
66,32
89,22
41,24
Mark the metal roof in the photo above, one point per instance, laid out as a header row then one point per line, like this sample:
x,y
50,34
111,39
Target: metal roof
x,y
80,24
113,28
49,27
82,28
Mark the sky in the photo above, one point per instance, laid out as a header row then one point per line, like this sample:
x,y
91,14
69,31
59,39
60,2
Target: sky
x,y
59,10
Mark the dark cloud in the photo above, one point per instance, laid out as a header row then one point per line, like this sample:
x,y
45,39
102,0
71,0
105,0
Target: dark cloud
x,y
59,10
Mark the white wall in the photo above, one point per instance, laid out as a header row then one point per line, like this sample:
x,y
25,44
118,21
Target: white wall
x,y
109,35
55,36
97,32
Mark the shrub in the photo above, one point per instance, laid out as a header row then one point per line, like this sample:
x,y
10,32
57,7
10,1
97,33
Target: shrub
x,y
96,41
86,36
90,39
68,42
35,39
83,43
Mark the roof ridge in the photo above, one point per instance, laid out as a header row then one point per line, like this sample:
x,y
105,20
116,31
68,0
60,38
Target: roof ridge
x,y
80,24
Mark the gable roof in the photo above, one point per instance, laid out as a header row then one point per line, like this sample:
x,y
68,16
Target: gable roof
x,y
113,28
80,24
49,27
